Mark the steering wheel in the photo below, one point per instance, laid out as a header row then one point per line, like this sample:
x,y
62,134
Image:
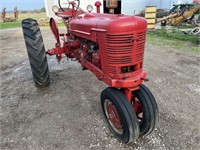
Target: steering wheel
x,y
77,2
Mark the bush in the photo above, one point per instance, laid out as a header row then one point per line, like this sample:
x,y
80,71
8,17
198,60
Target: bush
x,y
43,9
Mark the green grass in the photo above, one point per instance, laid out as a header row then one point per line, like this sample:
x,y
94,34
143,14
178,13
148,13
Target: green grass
x,y
36,16
174,39
185,27
5,25
174,34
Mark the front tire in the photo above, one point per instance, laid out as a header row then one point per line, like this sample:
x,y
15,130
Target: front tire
x,y
36,52
146,109
119,115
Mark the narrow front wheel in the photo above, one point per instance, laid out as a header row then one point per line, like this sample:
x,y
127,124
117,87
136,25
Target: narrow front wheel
x,y
119,115
146,110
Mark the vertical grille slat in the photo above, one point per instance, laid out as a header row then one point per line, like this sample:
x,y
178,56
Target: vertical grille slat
x,y
139,57
141,36
140,47
139,52
112,69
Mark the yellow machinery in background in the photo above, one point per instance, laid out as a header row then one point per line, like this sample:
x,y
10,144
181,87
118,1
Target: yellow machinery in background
x,y
177,17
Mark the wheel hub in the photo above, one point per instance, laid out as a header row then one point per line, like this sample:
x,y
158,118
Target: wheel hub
x,y
113,116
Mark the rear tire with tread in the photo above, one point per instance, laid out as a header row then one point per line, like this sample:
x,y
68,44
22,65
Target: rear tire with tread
x,y
36,52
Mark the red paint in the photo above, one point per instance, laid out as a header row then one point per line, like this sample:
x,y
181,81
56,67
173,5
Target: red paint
x,y
137,106
110,46
98,4
113,116
196,1
54,30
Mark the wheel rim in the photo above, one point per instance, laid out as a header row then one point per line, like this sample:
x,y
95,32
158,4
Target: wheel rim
x,y
137,106
113,116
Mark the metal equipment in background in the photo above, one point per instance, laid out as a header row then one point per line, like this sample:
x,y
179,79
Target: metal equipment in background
x,y
9,19
112,48
178,14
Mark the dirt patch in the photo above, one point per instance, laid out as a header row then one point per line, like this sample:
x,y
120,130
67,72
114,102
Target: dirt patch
x,y
67,114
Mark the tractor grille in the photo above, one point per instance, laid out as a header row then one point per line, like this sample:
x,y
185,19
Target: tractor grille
x,y
119,44
124,51
120,60
139,57
119,50
139,52
112,69
140,47
120,39
141,36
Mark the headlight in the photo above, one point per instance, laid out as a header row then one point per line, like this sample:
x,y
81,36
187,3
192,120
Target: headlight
x,y
55,9
89,8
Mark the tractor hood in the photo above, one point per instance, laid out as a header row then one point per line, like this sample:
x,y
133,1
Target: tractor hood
x,y
88,25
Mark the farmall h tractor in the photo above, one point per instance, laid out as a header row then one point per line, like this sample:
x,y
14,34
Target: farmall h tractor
x,y
111,47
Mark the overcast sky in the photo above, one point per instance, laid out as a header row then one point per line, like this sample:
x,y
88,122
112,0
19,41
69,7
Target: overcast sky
x,y
22,4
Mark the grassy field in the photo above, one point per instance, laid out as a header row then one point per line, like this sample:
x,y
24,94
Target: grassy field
x,y
37,16
175,39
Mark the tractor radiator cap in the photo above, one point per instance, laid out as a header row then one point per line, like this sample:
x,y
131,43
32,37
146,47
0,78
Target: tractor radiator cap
x,y
97,3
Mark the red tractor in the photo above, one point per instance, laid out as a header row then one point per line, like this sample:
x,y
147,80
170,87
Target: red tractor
x,y
110,46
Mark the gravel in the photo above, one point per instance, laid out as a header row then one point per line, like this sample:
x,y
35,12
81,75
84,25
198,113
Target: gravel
x,y
67,114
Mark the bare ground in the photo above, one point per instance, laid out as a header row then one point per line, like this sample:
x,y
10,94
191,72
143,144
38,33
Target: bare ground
x,y
67,114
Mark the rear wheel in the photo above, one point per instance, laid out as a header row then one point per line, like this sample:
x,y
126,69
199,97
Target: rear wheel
x,y
119,115
146,109
36,52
